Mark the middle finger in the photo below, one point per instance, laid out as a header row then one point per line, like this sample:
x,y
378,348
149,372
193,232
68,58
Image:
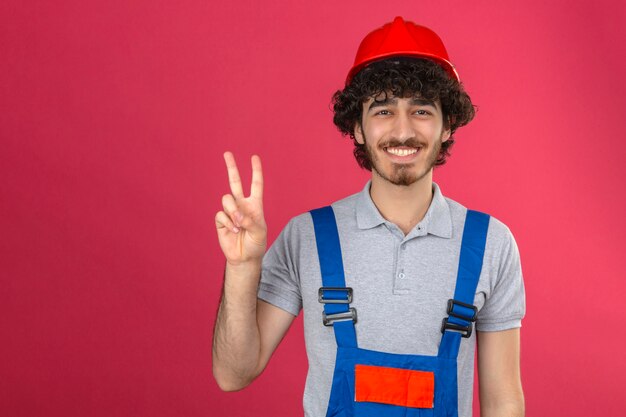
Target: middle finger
x,y
233,175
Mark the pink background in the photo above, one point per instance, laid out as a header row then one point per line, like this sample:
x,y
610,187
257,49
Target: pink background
x,y
114,116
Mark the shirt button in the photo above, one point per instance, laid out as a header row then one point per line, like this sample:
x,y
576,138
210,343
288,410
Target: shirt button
x,y
401,275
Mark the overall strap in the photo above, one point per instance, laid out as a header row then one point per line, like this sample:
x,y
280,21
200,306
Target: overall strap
x,y
461,310
334,294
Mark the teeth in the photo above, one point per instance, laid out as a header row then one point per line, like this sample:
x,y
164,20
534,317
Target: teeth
x,y
401,152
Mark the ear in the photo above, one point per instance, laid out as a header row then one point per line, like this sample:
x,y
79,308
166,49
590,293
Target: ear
x,y
448,132
358,133
446,135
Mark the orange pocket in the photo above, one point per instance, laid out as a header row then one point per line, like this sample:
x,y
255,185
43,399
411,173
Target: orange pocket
x,y
394,386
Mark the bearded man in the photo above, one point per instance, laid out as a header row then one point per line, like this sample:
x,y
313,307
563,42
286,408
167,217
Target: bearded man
x,y
392,280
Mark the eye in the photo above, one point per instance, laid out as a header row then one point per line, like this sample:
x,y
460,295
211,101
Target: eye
x,y
422,112
382,112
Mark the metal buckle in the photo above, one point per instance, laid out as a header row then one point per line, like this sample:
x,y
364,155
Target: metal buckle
x,y
451,312
346,300
466,331
329,319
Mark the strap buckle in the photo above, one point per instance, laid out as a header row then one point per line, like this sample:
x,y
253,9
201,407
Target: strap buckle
x,y
333,295
465,330
329,319
452,303
336,295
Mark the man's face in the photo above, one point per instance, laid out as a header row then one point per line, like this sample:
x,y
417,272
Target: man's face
x,y
402,137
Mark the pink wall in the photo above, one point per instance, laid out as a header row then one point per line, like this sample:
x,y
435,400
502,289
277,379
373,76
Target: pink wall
x,y
113,120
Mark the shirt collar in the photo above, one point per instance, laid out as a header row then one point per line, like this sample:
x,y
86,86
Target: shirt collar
x,y
437,220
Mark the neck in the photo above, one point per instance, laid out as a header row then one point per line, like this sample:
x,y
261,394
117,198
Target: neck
x,y
405,206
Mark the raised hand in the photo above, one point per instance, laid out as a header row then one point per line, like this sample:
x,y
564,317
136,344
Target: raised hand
x,y
241,227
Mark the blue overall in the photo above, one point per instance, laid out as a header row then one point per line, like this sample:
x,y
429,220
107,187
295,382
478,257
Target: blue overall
x,y
336,298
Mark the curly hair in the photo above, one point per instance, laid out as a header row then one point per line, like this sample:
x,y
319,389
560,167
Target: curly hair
x,y
402,77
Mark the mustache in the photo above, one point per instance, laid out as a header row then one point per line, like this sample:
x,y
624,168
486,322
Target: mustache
x,y
408,143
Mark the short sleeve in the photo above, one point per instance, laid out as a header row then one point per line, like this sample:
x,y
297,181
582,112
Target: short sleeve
x,y
280,284
505,306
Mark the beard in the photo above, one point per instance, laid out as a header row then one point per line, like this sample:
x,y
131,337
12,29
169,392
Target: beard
x,y
404,174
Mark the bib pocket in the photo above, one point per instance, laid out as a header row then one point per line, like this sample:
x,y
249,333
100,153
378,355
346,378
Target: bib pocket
x,y
403,387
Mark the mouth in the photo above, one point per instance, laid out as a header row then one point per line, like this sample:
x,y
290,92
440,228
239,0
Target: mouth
x,y
402,153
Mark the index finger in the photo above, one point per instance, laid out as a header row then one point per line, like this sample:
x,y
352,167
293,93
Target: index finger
x,y
233,175
256,189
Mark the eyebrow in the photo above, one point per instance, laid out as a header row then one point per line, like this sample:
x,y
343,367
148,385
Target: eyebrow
x,y
415,101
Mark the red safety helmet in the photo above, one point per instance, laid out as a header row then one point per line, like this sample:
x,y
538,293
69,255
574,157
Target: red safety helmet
x,y
401,38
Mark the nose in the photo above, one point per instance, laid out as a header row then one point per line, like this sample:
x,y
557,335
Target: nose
x,y
402,128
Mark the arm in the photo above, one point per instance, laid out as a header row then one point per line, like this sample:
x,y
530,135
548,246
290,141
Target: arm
x,y
247,331
499,379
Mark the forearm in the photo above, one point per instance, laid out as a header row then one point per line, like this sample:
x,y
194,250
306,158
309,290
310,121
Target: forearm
x,y
501,397
511,407
236,340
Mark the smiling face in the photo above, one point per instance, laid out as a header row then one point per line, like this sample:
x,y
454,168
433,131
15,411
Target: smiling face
x,y
402,137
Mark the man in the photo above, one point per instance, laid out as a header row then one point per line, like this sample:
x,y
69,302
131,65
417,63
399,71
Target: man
x,y
392,280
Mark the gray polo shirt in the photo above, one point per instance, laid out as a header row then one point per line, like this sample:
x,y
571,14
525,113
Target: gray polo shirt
x,y
401,286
